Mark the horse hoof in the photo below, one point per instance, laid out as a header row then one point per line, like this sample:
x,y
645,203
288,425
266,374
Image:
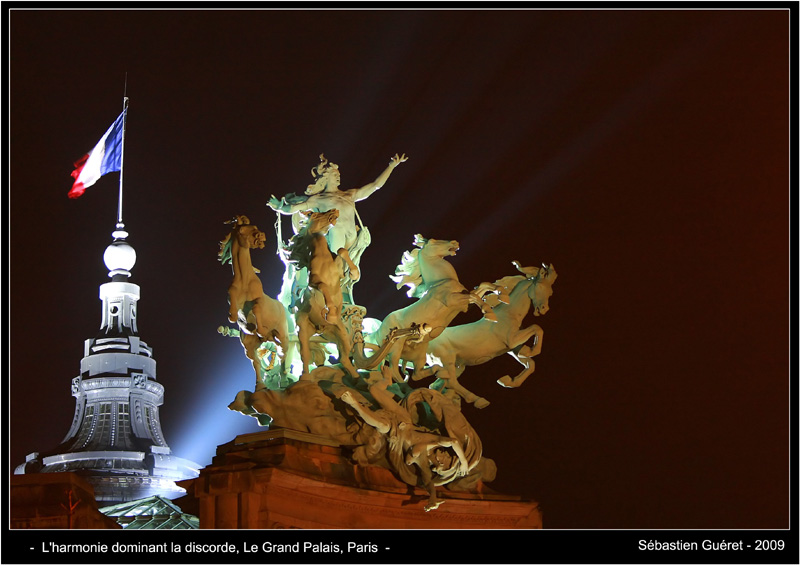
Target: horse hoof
x,y
481,403
505,381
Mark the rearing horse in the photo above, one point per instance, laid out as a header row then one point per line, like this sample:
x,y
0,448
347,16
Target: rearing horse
x,y
320,308
432,279
473,344
260,317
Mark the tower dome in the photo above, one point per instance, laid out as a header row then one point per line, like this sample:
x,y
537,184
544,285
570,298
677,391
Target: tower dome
x,y
115,440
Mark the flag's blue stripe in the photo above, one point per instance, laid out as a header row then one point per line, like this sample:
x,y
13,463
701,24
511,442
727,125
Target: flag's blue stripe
x,y
112,160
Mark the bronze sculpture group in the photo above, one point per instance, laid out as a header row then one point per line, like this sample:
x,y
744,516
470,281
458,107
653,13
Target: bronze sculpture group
x,y
353,384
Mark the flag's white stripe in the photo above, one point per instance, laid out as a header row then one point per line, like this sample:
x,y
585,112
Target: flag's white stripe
x,y
91,169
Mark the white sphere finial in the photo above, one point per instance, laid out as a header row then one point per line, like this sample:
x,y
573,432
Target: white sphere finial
x,y
119,257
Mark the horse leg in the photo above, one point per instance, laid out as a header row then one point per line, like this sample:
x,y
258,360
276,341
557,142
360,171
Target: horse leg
x,y
281,342
262,329
520,337
482,289
305,329
425,372
395,350
354,273
280,335
393,359
250,343
329,314
343,344
488,312
524,354
450,374
233,309
440,354
486,287
425,366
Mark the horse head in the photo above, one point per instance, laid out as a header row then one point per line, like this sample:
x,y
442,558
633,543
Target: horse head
x,y
244,234
436,247
320,222
542,289
249,236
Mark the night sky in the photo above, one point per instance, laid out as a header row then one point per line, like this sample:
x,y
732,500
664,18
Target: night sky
x,y
644,153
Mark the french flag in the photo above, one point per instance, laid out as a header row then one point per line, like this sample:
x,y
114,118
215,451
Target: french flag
x,y
106,157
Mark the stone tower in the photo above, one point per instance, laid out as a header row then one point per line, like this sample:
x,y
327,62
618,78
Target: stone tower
x,y
115,440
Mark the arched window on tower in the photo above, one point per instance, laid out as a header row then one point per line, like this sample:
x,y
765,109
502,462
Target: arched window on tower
x,y
102,434
123,425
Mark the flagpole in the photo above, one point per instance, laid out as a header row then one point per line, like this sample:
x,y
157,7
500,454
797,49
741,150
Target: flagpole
x,y
122,158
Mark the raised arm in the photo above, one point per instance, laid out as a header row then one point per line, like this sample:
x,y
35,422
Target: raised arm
x,y
284,207
366,190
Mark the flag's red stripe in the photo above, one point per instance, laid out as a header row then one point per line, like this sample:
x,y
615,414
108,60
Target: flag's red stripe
x,y
79,164
77,190
77,187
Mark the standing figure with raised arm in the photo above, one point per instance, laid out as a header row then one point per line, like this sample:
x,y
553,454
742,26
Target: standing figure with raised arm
x,y
324,195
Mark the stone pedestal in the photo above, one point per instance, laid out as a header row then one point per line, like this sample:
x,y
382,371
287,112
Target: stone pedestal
x,y
287,479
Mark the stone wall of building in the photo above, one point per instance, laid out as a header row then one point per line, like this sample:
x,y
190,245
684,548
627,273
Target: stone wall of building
x,y
55,501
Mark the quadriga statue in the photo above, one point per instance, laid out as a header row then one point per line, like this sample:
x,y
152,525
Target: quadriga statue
x,y
371,397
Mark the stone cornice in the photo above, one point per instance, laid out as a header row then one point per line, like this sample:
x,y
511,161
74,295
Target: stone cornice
x,y
133,382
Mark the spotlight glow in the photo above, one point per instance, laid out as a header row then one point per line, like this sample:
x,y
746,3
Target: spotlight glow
x,y
207,422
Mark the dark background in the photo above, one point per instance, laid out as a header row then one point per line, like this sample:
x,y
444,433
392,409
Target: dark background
x,y
645,153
